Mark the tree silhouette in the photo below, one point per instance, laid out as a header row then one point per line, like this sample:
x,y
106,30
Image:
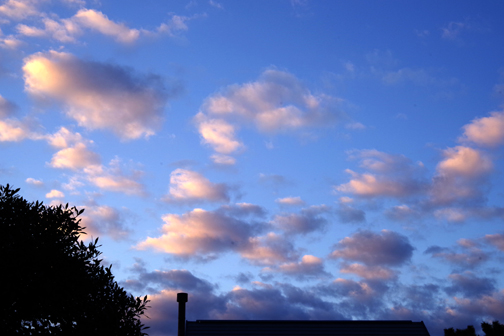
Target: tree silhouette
x,y
494,329
53,283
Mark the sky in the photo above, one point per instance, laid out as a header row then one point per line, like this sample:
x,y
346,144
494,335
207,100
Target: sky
x,y
288,159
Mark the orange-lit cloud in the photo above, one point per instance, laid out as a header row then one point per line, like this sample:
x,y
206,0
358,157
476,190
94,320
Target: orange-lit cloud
x,y
486,131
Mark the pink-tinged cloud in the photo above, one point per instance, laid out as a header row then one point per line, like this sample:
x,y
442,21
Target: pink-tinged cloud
x,y
102,220
496,240
98,21
218,134
486,131
268,250
114,178
277,101
98,95
368,272
55,194
188,186
18,9
386,248
12,130
202,234
34,182
465,162
309,267
460,176
62,30
77,157
290,201
388,176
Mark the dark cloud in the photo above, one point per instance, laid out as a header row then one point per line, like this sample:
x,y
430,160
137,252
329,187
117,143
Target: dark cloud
x,y
387,248
470,285
309,220
463,255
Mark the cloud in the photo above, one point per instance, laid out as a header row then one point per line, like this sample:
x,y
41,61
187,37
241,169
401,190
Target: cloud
x,y
218,134
463,255
202,234
7,108
77,157
496,239
349,214
368,272
386,248
12,130
98,21
74,153
307,221
113,178
390,176
18,9
188,187
470,285
104,220
98,95
55,194
453,30
486,131
460,176
309,267
34,182
290,201
270,249
276,102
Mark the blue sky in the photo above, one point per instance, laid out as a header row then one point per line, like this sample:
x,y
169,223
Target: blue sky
x,y
274,159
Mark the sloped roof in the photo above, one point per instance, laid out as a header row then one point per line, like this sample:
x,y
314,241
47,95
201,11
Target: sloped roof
x,y
304,328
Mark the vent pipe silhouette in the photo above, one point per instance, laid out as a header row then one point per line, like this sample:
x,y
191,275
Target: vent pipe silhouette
x,y
181,299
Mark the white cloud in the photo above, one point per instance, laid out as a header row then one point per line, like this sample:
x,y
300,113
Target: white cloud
x,y
55,194
190,186
98,95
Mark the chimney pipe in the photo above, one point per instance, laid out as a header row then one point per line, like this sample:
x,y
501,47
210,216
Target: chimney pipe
x,y
181,299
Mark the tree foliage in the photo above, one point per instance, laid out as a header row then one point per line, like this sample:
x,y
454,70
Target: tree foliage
x,y
54,283
494,329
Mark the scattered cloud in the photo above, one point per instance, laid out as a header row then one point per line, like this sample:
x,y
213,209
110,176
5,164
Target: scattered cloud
x,y
290,201
276,102
104,220
202,234
34,182
486,131
389,176
55,194
308,220
386,248
98,95
113,178
188,186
